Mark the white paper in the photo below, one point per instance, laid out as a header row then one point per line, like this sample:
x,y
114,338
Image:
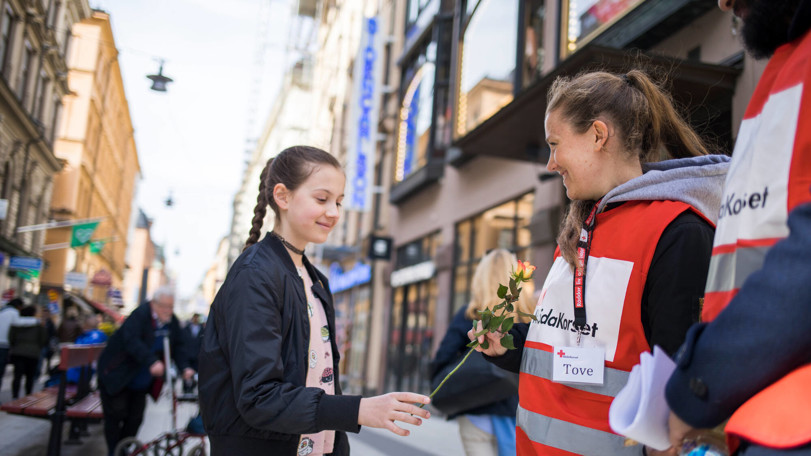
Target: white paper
x,y
640,410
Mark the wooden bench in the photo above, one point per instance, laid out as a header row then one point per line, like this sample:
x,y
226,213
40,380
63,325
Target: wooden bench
x,y
72,402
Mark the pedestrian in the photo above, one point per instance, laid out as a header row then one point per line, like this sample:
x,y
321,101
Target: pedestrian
x,y
91,335
53,341
193,332
631,262
749,362
10,316
487,429
268,380
26,344
70,328
131,364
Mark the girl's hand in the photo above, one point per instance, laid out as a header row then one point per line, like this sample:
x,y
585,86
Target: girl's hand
x,y
382,411
494,339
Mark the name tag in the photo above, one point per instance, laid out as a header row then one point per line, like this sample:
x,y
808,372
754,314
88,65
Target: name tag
x,y
578,365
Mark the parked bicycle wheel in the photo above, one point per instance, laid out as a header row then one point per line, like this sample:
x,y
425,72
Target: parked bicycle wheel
x,y
169,445
128,447
199,450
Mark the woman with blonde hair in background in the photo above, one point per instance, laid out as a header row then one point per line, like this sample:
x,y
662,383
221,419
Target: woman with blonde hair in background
x,y
489,429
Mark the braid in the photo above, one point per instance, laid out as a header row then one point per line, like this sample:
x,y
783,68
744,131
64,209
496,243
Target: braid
x,y
260,210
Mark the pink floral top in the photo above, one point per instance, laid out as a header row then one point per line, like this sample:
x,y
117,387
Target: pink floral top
x,y
319,368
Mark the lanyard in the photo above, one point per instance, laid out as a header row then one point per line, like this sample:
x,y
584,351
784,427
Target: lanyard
x,y
579,280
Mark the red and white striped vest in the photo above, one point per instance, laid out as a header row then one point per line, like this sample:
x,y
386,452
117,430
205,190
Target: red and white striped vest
x,y
566,419
769,175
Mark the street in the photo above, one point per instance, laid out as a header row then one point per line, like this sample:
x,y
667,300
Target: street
x,y
24,436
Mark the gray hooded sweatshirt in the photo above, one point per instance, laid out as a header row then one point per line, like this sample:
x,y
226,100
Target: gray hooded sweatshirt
x,y
697,181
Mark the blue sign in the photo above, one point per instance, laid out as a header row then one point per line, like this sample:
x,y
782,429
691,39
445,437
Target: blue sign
x,y
365,106
343,280
34,264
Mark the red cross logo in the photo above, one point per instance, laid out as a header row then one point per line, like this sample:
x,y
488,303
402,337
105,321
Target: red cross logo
x,y
561,353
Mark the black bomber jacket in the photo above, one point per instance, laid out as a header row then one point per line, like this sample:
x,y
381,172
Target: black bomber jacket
x,y
253,359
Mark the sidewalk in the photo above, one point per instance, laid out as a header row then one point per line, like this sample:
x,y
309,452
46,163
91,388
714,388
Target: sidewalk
x,y
435,436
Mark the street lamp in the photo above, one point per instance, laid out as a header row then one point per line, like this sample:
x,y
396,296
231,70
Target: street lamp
x,y
159,81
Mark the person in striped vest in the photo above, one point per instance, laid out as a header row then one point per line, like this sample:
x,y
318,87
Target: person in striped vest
x,y
751,363
631,262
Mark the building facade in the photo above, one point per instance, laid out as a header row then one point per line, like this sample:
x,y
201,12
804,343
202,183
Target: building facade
x,y
35,38
100,168
146,265
460,157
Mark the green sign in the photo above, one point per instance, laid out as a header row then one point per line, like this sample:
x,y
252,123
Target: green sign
x,y
96,246
28,274
82,234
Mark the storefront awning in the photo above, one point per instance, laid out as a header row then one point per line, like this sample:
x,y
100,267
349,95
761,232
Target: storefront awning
x,y
517,130
89,304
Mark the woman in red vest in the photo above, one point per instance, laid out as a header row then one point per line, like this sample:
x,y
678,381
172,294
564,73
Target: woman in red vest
x,y
632,258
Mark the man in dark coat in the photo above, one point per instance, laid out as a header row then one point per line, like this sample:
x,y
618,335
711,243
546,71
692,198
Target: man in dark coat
x,y
193,332
133,360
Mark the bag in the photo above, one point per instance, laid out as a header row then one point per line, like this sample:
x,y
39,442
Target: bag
x,y
477,383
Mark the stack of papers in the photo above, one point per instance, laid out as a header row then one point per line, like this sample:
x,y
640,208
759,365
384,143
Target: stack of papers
x,y
640,410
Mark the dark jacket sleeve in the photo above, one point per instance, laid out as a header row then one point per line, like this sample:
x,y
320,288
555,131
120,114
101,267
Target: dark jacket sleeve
x,y
454,343
676,281
180,345
131,336
253,325
760,337
511,360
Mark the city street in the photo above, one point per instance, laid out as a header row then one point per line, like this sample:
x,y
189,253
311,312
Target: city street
x,y
23,436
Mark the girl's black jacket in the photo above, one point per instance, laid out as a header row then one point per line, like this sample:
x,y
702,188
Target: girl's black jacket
x,y
253,360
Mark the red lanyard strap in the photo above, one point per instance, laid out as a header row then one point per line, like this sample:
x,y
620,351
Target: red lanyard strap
x,y
579,280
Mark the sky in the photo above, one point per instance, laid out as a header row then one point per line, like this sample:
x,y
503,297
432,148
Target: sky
x,y
191,140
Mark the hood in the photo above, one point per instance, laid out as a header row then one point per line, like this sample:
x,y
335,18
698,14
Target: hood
x,y
697,181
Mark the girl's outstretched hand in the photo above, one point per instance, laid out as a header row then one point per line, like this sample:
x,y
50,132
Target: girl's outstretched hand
x,y
382,411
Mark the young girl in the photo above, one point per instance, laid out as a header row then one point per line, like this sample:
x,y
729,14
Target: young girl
x,y
268,374
632,260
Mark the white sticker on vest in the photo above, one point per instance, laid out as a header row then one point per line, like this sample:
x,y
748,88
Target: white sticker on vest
x,y
606,283
578,365
755,197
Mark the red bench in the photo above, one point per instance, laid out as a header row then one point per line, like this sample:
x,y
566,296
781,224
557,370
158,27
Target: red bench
x,y
58,403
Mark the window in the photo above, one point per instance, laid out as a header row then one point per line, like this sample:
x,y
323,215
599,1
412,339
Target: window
x,y
533,41
25,70
505,226
416,112
420,11
412,321
487,57
6,26
588,18
39,98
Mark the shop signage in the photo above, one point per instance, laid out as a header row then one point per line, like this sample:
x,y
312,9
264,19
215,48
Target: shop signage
x,y
412,274
3,209
76,280
343,280
29,263
380,248
364,108
102,277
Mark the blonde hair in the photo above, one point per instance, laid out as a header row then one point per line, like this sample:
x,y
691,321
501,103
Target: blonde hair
x,y
494,269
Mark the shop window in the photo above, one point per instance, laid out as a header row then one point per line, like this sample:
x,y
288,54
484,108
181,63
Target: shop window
x,y
533,59
487,58
588,18
416,112
505,226
411,325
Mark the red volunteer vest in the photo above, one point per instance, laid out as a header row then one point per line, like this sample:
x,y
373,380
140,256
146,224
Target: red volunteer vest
x,y
769,175
568,419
